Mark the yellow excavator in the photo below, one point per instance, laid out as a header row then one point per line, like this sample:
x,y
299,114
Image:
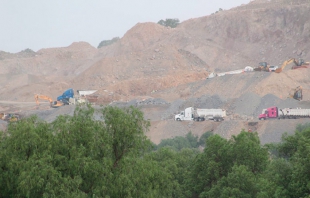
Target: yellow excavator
x,y
53,104
279,70
300,64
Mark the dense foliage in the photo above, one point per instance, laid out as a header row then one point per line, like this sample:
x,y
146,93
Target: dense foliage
x,y
108,42
169,22
189,141
79,156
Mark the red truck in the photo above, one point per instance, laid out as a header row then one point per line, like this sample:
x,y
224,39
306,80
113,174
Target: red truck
x,y
289,113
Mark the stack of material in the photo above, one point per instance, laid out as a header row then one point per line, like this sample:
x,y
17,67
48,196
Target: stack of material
x,y
88,95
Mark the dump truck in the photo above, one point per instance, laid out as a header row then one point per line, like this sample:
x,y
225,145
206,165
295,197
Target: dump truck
x,y
65,97
201,114
284,113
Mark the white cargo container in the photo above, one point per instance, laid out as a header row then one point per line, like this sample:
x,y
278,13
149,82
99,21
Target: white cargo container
x,y
288,112
201,114
285,113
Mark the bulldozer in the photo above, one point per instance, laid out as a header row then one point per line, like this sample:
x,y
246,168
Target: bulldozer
x,y
53,104
263,66
297,93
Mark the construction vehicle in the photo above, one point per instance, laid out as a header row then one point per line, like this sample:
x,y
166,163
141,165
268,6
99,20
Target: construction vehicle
x,y
296,93
53,104
300,64
9,117
289,113
284,64
201,114
65,97
263,66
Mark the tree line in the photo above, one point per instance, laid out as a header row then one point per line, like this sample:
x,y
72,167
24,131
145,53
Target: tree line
x,y
80,156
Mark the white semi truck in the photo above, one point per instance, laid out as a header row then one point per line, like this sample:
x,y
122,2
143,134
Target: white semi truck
x,y
201,114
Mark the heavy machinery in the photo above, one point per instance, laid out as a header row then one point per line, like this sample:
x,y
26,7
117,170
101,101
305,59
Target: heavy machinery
x,y
53,104
284,64
65,97
263,66
289,113
300,64
296,93
9,117
201,114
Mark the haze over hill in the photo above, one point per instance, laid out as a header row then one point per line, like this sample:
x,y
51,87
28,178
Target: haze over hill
x,y
171,65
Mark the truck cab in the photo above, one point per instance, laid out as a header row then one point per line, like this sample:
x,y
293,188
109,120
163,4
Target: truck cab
x,y
271,112
187,114
69,93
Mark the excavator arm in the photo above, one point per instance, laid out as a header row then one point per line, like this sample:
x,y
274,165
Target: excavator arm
x,y
42,97
53,104
284,64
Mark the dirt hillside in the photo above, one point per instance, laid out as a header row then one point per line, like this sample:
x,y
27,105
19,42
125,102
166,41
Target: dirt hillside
x,y
163,70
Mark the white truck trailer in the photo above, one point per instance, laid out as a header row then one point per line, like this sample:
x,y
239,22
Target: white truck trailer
x,y
289,113
201,114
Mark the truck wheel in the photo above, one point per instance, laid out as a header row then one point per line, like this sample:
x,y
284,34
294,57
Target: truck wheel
x,y
178,119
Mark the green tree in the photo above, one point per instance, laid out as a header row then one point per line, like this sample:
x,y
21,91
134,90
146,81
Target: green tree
x,y
173,23
290,173
300,182
108,42
179,142
209,166
189,141
176,164
240,182
219,158
247,150
275,180
76,156
203,138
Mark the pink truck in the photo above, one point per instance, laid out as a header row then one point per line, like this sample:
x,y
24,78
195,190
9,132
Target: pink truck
x,y
289,113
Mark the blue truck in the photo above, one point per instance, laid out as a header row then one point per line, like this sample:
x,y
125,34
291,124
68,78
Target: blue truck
x,y
69,93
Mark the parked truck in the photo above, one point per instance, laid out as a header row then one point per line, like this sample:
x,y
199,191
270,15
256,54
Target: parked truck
x,y
201,114
65,97
285,113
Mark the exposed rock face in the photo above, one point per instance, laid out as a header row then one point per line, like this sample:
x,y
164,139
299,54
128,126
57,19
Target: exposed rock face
x,y
157,63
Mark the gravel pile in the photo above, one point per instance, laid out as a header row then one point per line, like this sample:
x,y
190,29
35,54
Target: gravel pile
x,y
268,100
174,108
246,104
152,101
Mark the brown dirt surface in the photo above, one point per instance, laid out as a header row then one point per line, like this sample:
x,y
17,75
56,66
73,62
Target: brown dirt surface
x,y
164,70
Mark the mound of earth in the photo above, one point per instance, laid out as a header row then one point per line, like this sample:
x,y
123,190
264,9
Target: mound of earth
x,y
164,70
